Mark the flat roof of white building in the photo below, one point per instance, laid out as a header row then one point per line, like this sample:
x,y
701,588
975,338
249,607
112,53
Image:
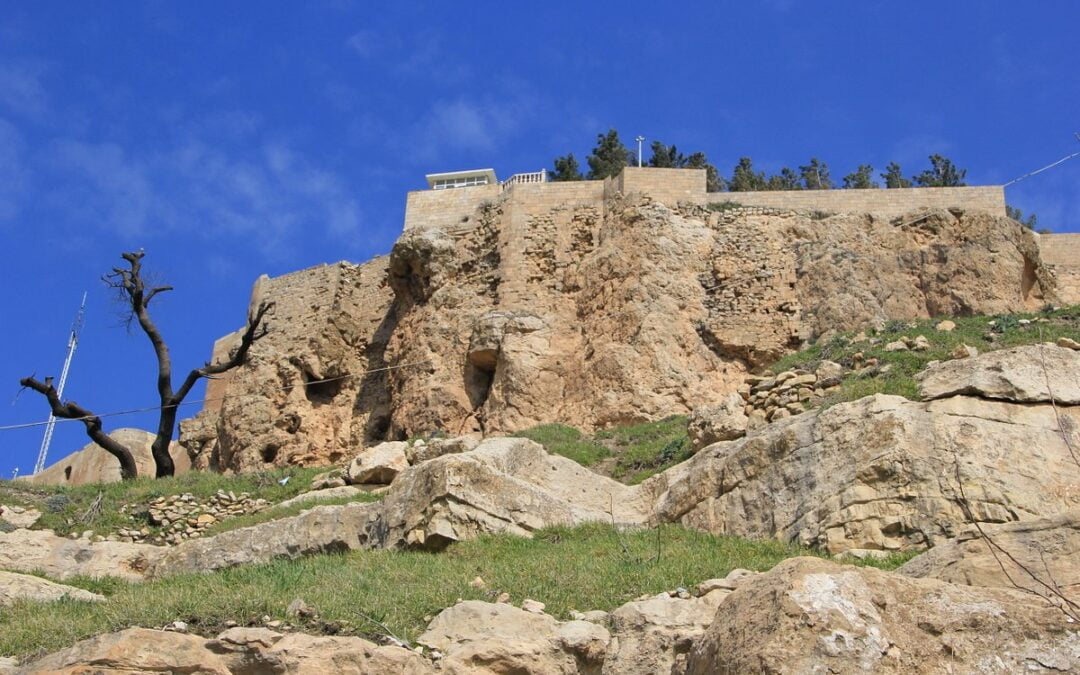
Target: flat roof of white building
x,y
450,179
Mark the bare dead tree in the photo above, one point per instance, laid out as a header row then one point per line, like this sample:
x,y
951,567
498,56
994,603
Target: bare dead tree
x,y
73,411
136,296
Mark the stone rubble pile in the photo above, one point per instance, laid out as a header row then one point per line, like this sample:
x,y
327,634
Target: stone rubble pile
x,y
183,516
774,397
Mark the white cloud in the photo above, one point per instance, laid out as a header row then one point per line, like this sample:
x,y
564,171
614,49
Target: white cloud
x,y
463,124
268,196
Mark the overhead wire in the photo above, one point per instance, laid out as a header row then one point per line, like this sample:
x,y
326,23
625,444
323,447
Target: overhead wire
x,y
132,411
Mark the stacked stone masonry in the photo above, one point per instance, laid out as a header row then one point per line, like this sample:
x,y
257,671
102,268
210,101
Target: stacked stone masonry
x,y
1061,252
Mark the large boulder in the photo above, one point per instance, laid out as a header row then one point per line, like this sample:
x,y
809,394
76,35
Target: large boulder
x,y
878,473
1028,374
505,485
724,422
655,635
41,551
809,615
378,465
1039,555
94,464
18,516
483,637
15,587
236,651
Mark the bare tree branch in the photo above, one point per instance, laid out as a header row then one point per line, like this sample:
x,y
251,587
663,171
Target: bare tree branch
x,y
73,411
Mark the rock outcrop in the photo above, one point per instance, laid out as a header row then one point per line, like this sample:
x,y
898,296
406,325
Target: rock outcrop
x,y
809,615
15,587
93,464
1042,556
591,314
878,473
1028,374
42,551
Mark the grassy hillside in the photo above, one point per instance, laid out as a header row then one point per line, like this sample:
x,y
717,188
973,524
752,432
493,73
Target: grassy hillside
x,y
583,568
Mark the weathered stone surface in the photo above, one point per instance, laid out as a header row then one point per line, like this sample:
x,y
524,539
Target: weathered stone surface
x,y
378,465
18,516
15,587
483,637
877,473
592,313
321,529
505,485
315,385
320,495
810,615
135,650
93,464
60,558
1025,374
437,447
655,635
1046,548
237,651
724,422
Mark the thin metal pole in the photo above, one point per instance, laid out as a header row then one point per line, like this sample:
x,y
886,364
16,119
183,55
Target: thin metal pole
x,y
73,342
639,139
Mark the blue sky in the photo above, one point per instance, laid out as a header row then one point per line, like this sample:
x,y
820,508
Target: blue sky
x,y
232,139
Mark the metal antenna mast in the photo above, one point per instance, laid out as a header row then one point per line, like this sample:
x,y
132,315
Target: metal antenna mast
x,y
73,342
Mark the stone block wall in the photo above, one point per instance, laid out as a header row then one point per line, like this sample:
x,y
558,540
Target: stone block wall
x,y
1062,253
667,186
447,209
885,203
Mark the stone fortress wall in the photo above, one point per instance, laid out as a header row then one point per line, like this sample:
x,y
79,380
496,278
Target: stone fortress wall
x,y
1062,253
450,210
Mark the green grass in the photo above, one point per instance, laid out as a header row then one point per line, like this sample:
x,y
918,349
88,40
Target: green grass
x,y
647,448
279,512
560,439
63,508
638,450
567,568
904,365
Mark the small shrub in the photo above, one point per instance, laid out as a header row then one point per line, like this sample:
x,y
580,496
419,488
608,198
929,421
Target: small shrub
x,y
723,206
57,503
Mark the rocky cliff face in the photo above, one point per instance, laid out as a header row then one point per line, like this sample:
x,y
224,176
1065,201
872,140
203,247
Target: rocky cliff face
x,y
588,316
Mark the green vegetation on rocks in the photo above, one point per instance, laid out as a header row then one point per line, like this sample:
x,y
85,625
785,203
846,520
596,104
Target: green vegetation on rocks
x,y
582,568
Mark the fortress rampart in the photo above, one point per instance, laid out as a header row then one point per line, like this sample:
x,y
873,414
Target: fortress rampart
x,y
451,209
1062,253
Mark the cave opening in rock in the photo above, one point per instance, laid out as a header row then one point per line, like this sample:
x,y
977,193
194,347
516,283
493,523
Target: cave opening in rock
x,y
321,390
478,380
269,453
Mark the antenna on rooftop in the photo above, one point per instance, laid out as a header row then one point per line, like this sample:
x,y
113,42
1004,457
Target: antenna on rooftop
x,y
73,342
639,139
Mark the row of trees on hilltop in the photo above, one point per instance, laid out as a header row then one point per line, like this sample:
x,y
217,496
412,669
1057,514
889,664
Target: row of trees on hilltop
x,y
610,156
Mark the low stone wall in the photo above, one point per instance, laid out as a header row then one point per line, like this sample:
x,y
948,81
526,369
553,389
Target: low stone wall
x,y
1062,253
886,203
446,209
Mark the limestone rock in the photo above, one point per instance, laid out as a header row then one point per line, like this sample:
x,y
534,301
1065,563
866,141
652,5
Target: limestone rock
x,y
945,326
811,615
479,636
1049,548
378,465
724,422
1068,343
93,464
320,495
61,558
321,529
829,374
18,516
1015,374
964,351
437,447
655,635
591,313
505,485
236,651
877,473
15,586
135,650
